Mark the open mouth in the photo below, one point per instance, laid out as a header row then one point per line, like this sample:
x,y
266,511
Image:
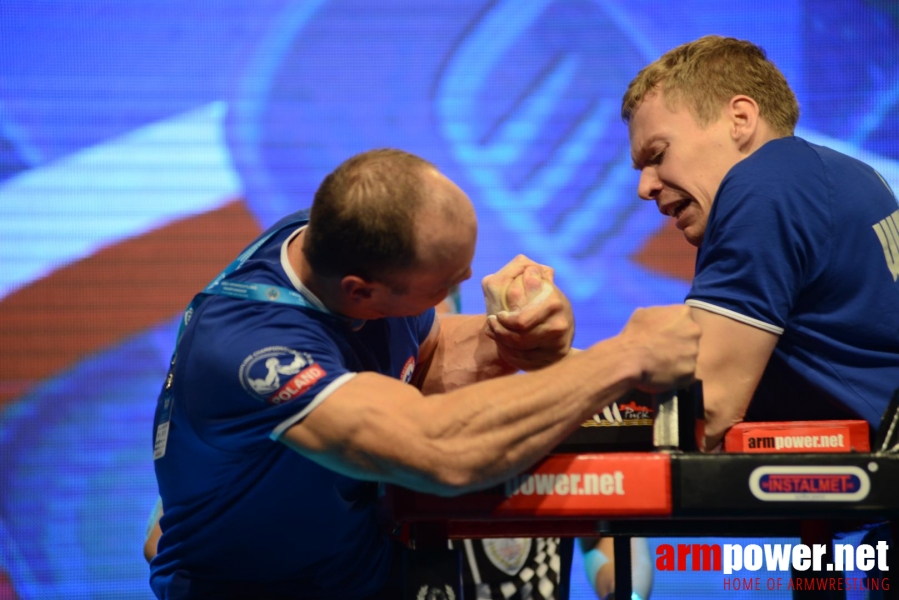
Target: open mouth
x,y
676,210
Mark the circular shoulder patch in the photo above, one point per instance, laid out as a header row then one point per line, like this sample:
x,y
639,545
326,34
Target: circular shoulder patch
x,y
408,370
265,371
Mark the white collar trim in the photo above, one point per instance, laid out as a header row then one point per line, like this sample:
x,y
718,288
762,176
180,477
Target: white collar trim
x,y
294,278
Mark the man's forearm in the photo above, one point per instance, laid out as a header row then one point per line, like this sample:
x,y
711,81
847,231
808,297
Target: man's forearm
x,y
467,439
500,427
464,354
375,427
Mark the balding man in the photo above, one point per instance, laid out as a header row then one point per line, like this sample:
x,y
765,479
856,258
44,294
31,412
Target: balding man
x,y
270,489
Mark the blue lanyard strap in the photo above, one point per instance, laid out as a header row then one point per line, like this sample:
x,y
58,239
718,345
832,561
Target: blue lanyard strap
x,y
220,286
260,292
233,289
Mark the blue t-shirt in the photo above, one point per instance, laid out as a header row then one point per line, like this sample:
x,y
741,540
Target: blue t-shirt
x,y
803,241
245,514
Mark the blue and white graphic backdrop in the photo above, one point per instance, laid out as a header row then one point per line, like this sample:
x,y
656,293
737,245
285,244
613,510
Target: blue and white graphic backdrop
x,y
143,142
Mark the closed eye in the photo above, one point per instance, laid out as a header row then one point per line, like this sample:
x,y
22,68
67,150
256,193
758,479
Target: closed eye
x,y
654,159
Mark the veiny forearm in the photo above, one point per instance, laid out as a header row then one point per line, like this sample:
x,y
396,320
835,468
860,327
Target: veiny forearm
x,y
483,434
456,440
464,355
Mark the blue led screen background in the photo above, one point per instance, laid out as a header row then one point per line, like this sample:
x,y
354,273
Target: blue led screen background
x,y
142,144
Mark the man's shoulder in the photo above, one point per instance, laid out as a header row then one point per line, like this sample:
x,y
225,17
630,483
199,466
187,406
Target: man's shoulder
x,y
300,217
793,154
230,328
786,175
786,157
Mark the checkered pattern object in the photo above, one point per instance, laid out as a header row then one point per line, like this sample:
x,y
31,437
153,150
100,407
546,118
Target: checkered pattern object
x,y
512,569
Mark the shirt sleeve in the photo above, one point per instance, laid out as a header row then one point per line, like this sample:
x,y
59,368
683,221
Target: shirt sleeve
x,y
766,235
422,327
249,380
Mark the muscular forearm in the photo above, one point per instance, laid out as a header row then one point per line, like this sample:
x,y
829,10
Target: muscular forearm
x,y
377,428
463,355
500,427
473,437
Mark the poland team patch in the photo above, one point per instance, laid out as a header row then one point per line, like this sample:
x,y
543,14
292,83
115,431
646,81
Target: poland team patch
x,y
278,374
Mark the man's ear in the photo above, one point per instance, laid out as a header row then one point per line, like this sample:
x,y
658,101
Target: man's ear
x,y
356,290
744,120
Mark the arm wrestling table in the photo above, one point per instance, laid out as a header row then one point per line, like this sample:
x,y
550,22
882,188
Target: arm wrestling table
x,y
674,490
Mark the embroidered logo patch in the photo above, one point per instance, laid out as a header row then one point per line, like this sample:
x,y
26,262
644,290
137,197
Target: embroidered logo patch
x,y
408,370
300,382
277,372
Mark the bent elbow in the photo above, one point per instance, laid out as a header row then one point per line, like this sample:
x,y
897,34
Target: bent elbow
x,y
457,471
718,420
714,422
454,479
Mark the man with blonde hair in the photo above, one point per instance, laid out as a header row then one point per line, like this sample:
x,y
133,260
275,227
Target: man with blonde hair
x,y
796,274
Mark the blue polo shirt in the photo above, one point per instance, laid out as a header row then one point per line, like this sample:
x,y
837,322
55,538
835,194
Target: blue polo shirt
x,y
803,241
245,514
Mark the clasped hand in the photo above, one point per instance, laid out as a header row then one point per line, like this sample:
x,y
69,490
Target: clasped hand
x,y
528,317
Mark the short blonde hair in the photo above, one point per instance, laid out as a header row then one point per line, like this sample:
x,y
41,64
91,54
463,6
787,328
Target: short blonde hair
x,y
708,72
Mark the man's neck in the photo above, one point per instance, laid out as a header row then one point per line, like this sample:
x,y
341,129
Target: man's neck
x,y
322,288
764,133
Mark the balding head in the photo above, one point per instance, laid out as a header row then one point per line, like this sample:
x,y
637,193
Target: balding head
x,y
445,223
366,216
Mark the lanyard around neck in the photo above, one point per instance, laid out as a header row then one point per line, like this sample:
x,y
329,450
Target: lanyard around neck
x,y
259,292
